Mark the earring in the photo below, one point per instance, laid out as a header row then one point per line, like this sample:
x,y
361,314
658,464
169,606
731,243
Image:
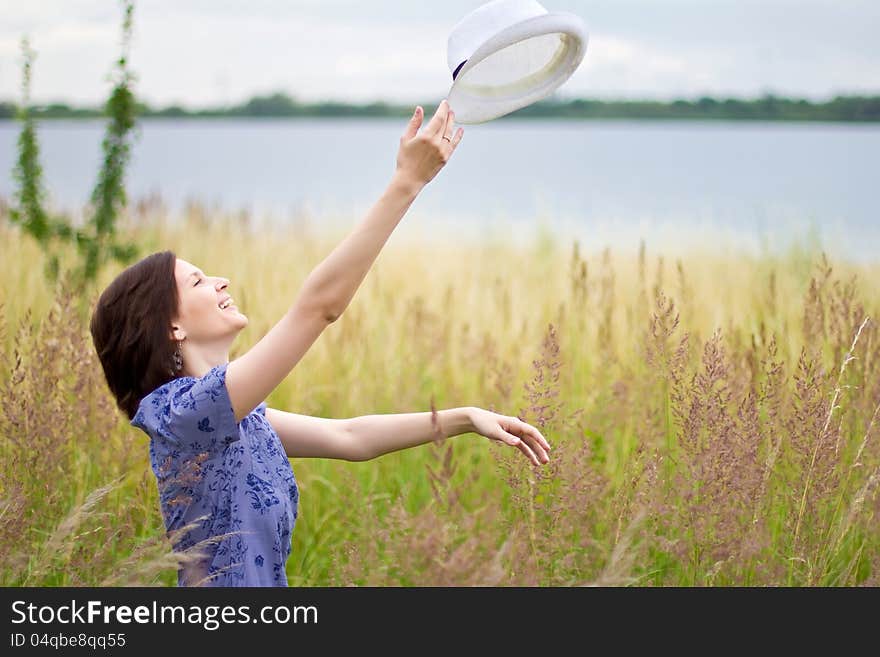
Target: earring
x,y
178,360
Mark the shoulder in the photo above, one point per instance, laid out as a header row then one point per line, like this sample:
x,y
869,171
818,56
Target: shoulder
x,y
184,393
192,392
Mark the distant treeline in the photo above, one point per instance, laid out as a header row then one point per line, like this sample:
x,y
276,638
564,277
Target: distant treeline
x,y
766,108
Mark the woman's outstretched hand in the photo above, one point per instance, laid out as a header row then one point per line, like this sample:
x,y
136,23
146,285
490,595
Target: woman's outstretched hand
x,y
422,155
513,431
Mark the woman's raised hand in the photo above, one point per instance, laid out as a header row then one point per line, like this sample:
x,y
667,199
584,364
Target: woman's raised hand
x,y
513,431
422,155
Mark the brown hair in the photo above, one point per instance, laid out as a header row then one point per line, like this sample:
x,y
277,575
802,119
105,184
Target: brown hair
x,y
131,329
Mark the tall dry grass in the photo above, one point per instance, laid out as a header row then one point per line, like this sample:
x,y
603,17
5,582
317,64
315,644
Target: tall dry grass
x,y
714,418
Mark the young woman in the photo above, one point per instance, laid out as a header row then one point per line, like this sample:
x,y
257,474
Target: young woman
x,y
162,330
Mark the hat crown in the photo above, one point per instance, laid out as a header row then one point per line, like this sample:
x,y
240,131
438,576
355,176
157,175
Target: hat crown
x,y
484,22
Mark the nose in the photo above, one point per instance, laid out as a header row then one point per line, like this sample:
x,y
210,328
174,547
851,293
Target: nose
x,y
222,283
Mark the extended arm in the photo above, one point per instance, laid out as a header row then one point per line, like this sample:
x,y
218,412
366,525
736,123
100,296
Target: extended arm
x,y
369,436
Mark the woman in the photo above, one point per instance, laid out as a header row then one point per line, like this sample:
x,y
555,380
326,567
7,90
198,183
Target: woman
x,y
163,329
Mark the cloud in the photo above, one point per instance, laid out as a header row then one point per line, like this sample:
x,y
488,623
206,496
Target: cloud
x,y
310,59
66,65
202,52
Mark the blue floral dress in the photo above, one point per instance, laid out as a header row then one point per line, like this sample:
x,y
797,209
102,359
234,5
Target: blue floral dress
x,y
232,482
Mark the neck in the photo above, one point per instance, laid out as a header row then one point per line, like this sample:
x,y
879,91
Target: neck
x,y
199,359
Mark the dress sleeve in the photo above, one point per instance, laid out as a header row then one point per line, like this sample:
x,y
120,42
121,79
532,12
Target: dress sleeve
x,y
200,412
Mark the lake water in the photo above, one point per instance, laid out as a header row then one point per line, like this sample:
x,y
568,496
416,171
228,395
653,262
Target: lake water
x,y
675,185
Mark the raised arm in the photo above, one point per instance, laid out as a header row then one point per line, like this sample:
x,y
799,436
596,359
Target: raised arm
x,y
329,288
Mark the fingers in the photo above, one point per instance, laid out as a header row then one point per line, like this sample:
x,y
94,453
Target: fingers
x,y
448,136
438,121
516,441
526,430
529,452
412,128
528,439
536,435
540,453
449,126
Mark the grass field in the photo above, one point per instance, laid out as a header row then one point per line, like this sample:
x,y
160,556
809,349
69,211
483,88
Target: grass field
x,y
713,417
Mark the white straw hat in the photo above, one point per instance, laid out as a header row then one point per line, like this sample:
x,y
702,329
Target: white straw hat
x,y
507,54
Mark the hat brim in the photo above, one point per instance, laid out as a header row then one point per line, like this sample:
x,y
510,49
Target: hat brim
x,y
481,103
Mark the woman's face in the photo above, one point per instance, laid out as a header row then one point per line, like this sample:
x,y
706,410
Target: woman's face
x,y
200,318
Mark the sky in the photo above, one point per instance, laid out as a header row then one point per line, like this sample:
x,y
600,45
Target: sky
x,y
204,53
